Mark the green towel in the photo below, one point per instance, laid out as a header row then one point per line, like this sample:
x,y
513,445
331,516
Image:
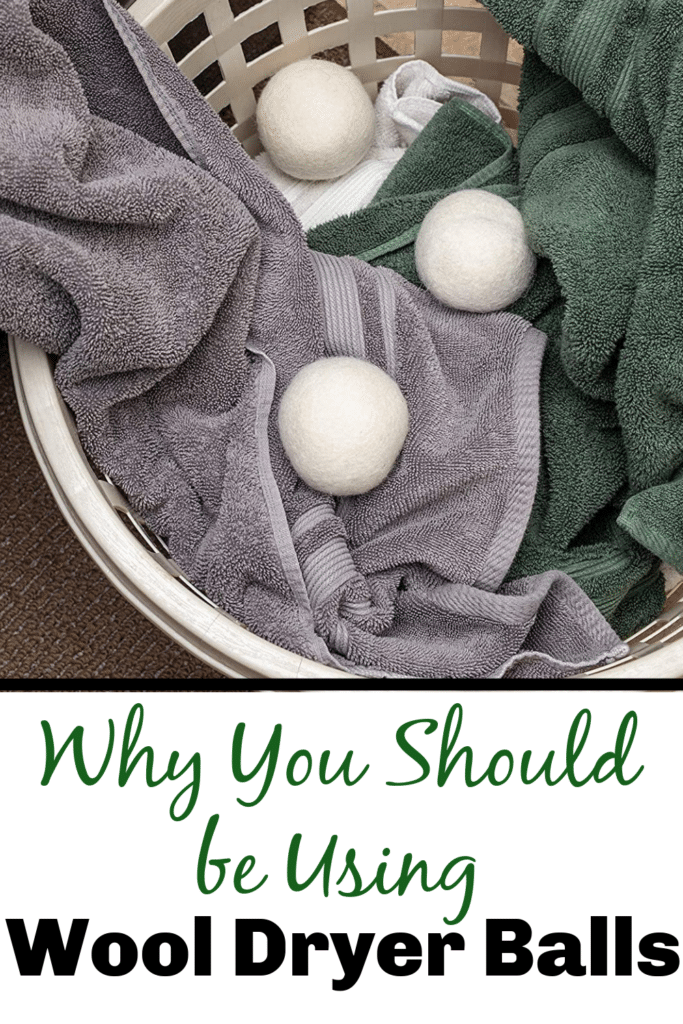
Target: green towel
x,y
585,201
600,185
459,148
601,179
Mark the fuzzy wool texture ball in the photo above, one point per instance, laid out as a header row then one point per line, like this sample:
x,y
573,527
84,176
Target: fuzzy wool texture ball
x,y
315,120
472,252
343,423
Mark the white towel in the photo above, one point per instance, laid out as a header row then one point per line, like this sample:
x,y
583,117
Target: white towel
x,y
315,202
407,101
411,96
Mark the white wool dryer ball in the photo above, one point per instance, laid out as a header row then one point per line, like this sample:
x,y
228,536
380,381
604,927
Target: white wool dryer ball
x,y
343,422
315,120
472,253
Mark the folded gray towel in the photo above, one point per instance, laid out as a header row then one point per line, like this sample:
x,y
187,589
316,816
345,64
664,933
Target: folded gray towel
x,y
140,244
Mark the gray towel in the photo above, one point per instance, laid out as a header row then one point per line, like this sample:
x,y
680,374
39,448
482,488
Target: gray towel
x,y
140,244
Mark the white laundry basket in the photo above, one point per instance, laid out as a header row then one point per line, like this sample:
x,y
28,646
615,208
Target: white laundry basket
x,y
132,557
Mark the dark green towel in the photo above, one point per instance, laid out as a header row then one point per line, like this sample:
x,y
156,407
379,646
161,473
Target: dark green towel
x,y
601,177
601,190
459,148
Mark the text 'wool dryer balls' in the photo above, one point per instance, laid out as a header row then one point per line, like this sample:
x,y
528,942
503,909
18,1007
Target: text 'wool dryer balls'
x,y
315,120
472,253
342,423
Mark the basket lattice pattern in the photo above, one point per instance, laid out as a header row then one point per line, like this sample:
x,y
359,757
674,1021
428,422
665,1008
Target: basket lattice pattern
x,y
237,53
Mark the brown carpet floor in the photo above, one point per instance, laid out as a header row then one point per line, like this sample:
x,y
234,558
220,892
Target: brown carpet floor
x,y
59,616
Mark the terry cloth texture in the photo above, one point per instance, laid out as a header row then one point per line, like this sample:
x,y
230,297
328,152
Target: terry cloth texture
x,y
600,185
142,246
412,95
460,147
601,146
407,101
315,202
60,618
